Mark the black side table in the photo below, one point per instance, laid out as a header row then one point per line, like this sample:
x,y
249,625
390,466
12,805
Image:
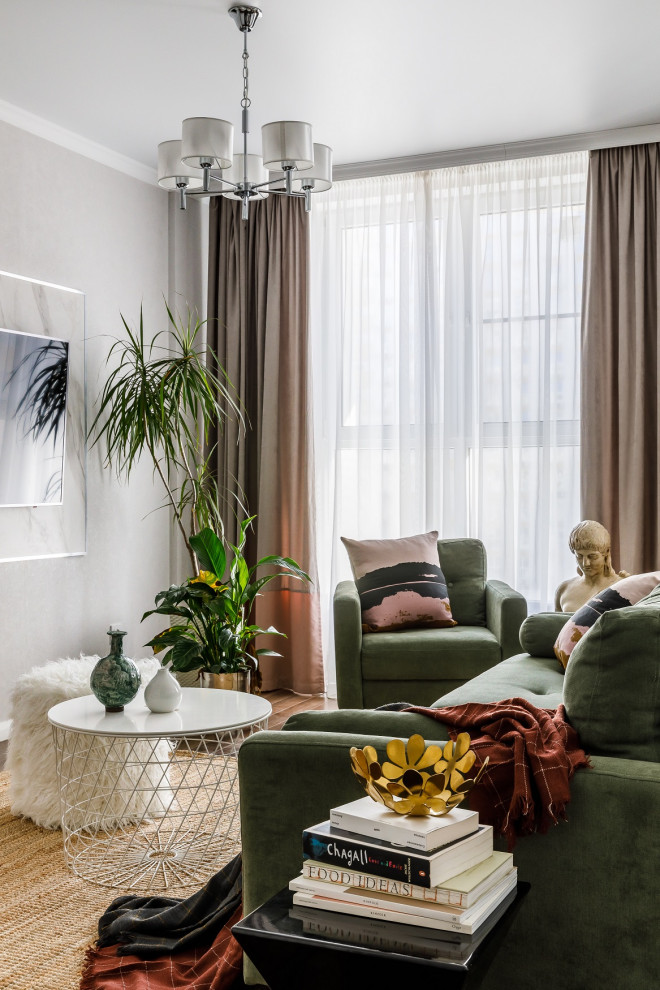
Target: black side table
x,y
296,948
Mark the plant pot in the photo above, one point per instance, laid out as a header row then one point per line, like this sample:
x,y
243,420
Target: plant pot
x,y
228,682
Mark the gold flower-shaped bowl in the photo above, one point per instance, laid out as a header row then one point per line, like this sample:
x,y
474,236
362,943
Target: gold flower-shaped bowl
x,y
418,779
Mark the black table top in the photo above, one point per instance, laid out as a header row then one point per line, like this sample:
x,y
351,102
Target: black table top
x,y
279,932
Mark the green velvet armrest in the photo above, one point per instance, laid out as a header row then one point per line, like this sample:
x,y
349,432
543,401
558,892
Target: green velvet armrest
x,y
539,632
506,610
348,645
400,725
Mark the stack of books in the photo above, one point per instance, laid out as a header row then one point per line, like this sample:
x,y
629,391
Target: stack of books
x,y
429,873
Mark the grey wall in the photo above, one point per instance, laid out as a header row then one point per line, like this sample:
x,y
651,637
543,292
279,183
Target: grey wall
x,y
69,220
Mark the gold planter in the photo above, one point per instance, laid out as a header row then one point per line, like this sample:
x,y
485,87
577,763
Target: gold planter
x,y
228,682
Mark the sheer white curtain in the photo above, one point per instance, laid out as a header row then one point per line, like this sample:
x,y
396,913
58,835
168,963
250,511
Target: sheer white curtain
x,y
446,329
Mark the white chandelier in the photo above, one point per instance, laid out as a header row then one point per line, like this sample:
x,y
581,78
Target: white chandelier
x,y
202,163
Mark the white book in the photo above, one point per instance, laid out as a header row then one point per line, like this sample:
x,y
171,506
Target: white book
x,y
425,832
461,891
422,918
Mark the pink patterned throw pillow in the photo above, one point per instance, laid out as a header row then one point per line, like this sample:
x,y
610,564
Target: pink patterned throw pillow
x,y
627,591
400,582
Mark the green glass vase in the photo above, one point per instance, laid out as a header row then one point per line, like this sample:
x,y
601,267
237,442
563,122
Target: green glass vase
x,y
115,679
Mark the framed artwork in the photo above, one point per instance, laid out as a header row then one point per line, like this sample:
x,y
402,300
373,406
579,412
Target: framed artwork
x,y
43,448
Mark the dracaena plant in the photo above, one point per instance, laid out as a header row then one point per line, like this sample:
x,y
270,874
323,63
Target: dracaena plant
x,y
212,629
163,400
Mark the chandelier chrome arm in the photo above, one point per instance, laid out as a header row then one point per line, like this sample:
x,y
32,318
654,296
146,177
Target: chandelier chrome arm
x,y
206,147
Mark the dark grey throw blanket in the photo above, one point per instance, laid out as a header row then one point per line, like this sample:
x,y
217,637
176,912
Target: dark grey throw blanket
x,y
149,926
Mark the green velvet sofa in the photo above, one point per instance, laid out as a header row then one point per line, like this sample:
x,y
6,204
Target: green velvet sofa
x,y
591,919
422,664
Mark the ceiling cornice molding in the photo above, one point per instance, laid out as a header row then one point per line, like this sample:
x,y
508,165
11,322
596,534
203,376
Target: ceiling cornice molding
x,y
588,141
43,128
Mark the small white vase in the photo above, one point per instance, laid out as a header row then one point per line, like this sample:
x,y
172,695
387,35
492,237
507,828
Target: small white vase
x,y
162,693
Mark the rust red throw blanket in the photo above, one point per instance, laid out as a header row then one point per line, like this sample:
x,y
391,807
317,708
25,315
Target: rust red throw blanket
x,y
533,753
165,943
214,967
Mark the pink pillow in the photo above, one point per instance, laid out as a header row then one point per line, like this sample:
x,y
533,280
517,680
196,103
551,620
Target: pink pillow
x,y
627,591
400,582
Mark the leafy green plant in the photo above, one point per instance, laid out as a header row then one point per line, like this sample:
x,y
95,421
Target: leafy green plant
x,y
212,629
163,399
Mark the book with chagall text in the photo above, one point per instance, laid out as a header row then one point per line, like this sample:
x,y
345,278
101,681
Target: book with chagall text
x,y
327,844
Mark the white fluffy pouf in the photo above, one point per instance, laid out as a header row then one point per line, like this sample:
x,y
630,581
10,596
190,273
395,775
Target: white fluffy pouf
x,y
33,787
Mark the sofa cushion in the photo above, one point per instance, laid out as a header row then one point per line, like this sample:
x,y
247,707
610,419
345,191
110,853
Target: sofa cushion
x,y
400,582
463,562
537,679
539,632
429,655
622,593
612,684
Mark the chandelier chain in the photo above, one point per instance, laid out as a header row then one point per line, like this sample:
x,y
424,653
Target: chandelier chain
x,y
245,102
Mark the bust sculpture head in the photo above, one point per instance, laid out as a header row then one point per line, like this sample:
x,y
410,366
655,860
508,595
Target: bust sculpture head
x,y
591,543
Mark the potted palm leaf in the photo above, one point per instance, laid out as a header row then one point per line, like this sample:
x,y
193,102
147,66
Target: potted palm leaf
x,y
164,400
212,630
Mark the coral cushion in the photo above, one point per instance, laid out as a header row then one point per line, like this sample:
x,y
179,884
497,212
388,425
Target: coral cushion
x,y
400,582
627,591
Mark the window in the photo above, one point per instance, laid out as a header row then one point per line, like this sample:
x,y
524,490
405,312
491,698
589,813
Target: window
x,y
446,323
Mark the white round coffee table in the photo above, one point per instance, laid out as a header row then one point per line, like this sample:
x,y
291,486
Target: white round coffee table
x,y
151,801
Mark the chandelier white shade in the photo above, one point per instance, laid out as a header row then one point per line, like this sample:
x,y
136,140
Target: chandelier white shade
x,y
172,173
256,174
287,141
205,139
319,176
203,162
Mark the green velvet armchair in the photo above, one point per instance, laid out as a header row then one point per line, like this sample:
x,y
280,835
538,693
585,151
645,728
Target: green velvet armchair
x,y
421,665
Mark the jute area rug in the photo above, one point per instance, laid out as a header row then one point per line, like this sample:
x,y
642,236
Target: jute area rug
x,y
48,916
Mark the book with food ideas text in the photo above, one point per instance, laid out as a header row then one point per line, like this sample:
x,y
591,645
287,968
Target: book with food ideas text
x,y
445,915
460,891
347,900
326,844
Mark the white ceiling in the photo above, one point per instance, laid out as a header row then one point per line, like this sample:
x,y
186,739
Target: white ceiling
x,y
377,78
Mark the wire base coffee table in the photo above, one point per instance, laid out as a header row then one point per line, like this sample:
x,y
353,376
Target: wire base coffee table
x,y
150,801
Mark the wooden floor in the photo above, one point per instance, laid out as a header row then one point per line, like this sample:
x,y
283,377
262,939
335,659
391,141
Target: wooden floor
x,y
284,703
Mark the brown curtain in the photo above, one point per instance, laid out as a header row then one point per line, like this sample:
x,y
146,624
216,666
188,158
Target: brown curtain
x,y
258,326
620,322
